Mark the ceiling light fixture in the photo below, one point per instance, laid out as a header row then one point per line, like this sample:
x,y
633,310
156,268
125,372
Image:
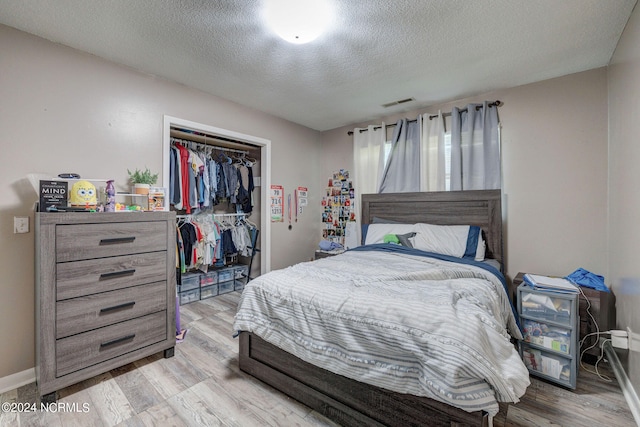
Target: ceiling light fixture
x,y
298,21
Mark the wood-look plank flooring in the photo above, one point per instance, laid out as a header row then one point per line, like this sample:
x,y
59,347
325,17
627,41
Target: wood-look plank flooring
x,y
202,386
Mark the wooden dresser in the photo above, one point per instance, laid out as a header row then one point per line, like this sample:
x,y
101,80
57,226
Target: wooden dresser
x,y
105,293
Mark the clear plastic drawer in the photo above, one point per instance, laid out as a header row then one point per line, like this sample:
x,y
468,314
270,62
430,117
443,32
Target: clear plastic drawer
x,y
208,291
547,336
546,307
209,278
189,296
189,281
225,287
546,363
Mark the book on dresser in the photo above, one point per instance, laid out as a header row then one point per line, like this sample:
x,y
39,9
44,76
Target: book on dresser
x,y
548,283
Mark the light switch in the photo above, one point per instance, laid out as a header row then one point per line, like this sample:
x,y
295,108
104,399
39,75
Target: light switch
x,y
20,224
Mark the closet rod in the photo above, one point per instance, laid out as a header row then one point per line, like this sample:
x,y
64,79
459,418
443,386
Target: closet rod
x,y
203,144
497,103
214,215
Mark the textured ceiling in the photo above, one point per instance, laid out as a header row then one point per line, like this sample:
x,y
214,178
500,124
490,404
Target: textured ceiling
x,y
376,52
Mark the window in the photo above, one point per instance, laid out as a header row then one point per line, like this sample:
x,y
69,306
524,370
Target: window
x,y
447,161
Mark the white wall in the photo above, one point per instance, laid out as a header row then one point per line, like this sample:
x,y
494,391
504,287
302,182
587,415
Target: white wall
x,y
624,180
554,156
66,111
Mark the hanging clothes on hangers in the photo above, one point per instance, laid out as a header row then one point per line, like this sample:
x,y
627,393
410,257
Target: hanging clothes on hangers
x,y
202,177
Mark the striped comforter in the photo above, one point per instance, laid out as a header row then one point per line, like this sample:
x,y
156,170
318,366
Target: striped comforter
x,y
403,322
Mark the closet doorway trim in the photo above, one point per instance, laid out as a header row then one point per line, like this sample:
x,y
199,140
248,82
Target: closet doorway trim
x,y
265,173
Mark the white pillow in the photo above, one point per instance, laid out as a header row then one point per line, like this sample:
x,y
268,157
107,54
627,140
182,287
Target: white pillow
x,y
376,232
449,240
442,239
482,248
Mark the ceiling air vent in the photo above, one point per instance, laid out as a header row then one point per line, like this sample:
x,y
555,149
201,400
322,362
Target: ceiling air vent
x,y
401,101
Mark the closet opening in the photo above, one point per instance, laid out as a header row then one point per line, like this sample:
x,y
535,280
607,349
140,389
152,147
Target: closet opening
x,y
223,143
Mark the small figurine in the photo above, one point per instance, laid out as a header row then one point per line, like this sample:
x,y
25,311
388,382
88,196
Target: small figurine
x,y
111,197
83,194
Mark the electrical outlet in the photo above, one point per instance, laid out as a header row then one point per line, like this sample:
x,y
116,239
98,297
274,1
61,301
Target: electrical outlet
x,y
634,340
20,224
620,339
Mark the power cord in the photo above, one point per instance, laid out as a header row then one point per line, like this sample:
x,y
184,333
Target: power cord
x,y
597,340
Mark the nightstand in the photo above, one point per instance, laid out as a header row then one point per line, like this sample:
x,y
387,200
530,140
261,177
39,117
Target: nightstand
x,y
549,321
603,310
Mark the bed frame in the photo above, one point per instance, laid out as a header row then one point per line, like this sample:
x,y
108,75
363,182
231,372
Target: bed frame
x,y
352,403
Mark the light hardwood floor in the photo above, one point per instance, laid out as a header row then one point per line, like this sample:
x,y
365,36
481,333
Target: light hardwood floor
x,y
202,386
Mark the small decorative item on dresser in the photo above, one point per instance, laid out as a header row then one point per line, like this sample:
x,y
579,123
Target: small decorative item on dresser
x,y
142,180
83,194
110,191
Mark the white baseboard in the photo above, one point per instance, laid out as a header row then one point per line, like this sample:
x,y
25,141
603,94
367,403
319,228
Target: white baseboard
x,y
628,390
16,380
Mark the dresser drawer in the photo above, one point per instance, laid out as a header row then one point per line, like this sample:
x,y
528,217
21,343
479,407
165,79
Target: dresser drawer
x,y
77,315
83,350
86,241
91,276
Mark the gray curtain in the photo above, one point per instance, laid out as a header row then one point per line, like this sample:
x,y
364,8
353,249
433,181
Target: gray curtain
x,y
475,148
402,172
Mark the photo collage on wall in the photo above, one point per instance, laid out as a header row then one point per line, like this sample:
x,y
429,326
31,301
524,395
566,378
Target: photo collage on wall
x,y
338,206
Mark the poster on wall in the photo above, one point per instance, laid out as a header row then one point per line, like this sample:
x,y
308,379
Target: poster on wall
x,y
339,207
301,200
277,203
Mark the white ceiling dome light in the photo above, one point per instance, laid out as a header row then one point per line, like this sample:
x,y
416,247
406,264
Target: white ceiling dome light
x,y
298,21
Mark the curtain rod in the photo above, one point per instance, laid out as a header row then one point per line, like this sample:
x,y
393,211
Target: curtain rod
x,y
497,103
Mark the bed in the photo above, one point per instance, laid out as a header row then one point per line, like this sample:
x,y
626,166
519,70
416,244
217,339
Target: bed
x,y
423,376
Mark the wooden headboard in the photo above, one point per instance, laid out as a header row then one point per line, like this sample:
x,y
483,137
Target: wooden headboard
x,y
477,207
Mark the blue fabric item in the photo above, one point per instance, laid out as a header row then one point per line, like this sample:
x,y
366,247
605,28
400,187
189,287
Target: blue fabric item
x,y
472,242
388,247
582,277
365,228
326,245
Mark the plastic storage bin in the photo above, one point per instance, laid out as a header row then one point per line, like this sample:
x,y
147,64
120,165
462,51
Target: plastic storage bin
x,y
225,275
547,336
209,278
225,287
550,322
241,275
189,296
208,291
189,281
548,365
547,307
240,271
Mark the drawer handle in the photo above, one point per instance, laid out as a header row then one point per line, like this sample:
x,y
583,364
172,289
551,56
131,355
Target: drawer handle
x,y
117,341
116,274
117,240
117,307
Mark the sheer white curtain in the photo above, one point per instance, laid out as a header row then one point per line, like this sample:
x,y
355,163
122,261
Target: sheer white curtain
x,y
368,164
432,154
475,148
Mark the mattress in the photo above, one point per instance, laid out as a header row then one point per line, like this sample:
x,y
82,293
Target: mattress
x,y
396,318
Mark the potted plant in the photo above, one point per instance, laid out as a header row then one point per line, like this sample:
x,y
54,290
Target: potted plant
x,y
142,180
